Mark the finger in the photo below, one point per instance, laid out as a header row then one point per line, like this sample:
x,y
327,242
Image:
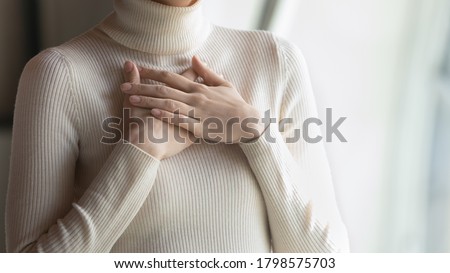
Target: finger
x,y
190,74
163,104
209,77
155,91
131,73
171,79
183,121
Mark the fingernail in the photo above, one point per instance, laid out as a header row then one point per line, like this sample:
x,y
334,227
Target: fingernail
x,y
135,99
126,87
128,66
156,112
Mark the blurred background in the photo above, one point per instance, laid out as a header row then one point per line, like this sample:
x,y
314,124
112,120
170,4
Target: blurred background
x,y
385,65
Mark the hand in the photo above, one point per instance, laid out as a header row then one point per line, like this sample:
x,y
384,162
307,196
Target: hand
x,y
157,138
213,111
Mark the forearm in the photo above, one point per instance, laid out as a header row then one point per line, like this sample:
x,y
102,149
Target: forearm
x,y
98,218
298,223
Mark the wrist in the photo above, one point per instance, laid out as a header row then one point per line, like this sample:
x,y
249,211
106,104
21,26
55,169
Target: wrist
x,y
150,151
146,148
254,128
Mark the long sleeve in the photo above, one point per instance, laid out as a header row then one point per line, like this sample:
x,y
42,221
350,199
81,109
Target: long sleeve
x,y
293,174
42,214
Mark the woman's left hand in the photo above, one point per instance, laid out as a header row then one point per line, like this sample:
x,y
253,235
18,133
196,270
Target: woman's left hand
x,y
212,110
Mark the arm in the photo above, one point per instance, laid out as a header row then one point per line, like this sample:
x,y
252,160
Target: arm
x,y
295,177
41,214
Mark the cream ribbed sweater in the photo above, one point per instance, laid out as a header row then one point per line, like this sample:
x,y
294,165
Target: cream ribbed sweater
x,y
70,193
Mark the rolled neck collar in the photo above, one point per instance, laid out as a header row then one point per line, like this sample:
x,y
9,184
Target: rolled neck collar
x,y
152,27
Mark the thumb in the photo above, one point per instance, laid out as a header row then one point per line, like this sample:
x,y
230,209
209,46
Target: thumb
x,y
131,73
209,77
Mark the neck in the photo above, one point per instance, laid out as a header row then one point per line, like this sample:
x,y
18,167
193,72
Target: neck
x,y
176,3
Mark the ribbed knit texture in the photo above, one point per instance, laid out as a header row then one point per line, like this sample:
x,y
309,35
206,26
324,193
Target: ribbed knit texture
x,y
68,192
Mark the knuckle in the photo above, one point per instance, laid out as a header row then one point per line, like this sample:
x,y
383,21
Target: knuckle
x,y
198,98
206,73
170,105
166,75
137,89
160,89
201,88
177,118
192,87
146,102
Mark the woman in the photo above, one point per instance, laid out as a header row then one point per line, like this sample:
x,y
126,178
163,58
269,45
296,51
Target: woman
x,y
71,190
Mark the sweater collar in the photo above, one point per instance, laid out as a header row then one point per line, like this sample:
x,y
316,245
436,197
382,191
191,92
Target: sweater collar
x,y
155,28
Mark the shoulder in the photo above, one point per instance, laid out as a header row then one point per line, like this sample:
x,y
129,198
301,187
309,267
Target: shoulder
x,y
48,64
266,44
255,38
67,54
292,55
50,56
246,39
49,73
59,59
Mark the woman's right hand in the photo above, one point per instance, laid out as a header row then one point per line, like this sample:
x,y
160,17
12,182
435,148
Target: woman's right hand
x,y
159,139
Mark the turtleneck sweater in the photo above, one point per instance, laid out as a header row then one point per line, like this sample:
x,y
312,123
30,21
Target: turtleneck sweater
x,y
69,192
